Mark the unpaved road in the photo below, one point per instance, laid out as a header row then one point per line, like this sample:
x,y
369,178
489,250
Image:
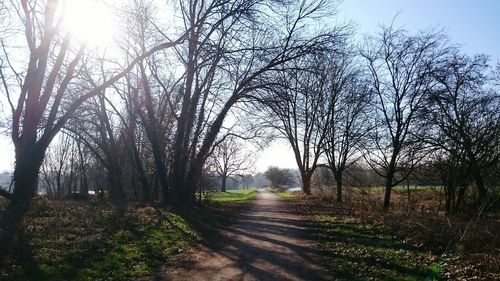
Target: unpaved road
x,y
267,241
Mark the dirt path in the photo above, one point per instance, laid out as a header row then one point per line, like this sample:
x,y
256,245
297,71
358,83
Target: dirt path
x,y
266,242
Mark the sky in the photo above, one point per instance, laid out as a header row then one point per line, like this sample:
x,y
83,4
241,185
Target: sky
x,y
475,25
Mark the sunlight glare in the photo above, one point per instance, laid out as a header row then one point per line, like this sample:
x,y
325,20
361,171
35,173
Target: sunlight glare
x,y
90,21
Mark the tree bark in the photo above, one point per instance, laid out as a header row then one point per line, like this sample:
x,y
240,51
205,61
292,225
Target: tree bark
x,y
460,197
388,189
306,184
84,187
478,179
28,163
224,179
161,170
338,181
117,192
391,170
193,179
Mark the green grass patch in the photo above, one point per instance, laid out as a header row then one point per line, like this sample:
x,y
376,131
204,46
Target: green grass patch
x,y
283,194
361,251
233,196
417,189
402,189
67,240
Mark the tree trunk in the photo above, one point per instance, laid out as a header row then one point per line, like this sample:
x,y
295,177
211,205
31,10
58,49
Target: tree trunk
x,y
223,187
338,181
146,189
388,189
28,163
180,163
460,197
193,179
155,192
71,191
161,170
193,176
306,184
389,182
139,170
117,192
84,187
481,189
59,184
447,190
177,181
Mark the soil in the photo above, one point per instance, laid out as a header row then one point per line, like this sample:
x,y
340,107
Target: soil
x,y
266,241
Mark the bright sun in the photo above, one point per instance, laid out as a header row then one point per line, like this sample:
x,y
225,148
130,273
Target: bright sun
x,y
90,21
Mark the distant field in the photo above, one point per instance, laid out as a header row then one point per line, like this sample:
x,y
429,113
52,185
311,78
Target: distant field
x,y
379,189
283,194
401,188
233,196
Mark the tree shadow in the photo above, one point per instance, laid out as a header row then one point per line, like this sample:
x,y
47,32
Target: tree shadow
x,y
265,242
360,253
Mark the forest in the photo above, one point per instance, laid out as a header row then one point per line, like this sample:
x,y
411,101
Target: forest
x,y
142,134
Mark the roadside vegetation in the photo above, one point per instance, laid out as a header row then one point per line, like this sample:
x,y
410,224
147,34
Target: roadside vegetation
x,y
363,251
285,195
233,196
414,241
89,240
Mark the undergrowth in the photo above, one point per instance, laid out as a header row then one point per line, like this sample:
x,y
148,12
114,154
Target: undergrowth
x,y
362,251
72,240
364,241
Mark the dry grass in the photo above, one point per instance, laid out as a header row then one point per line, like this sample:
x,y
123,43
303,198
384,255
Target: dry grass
x,y
466,245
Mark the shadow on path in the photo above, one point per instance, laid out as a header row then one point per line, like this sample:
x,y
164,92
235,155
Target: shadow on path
x,y
265,242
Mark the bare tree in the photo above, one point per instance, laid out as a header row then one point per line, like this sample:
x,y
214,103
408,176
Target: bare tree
x,y
54,167
46,97
279,177
400,66
464,116
104,136
231,158
298,104
229,58
149,91
347,123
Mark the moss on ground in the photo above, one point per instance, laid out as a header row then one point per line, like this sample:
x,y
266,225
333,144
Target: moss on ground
x,y
68,240
361,251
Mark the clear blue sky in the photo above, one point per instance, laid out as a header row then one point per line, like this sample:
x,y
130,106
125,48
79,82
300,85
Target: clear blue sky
x,y
475,25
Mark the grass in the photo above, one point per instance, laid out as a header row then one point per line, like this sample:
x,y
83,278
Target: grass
x,y
283,194
233,196
68,240
87,240
403,189
361,251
